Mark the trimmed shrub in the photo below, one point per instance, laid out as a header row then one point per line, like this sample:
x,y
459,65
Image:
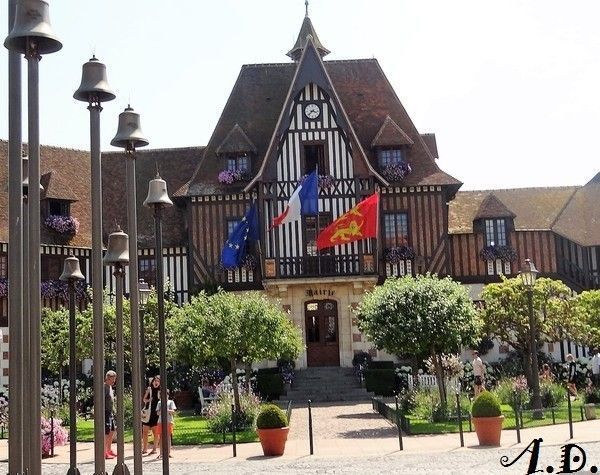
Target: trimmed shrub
x,y
271,417
361,358
274,370
381,365
486,405
380,381
269,385
552,394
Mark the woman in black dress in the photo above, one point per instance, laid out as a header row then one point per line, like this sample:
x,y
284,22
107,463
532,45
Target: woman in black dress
x,y
150,402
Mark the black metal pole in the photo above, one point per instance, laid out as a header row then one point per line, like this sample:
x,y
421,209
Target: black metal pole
x,y
52,433
570,415
160,284
458,412
310,429
233,428
72,383
399,424
517,425
536,399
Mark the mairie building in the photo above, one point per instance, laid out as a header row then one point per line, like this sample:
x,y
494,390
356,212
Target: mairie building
x,y
281,122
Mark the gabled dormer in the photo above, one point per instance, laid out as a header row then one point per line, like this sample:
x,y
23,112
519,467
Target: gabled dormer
x,y
391,146
236,153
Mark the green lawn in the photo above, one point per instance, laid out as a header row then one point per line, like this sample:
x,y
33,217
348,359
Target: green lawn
x,y
189,430
423,426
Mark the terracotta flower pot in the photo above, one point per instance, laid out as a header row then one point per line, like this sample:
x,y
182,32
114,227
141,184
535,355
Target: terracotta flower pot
x,y
273,440
488,429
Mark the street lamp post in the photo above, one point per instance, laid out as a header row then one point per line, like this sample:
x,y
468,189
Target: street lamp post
x,y
158,198
129,136
144,291
72,273
94,90
528,276
117,255
32,36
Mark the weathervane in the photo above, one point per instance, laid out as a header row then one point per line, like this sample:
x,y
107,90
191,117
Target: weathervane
x,y
306,5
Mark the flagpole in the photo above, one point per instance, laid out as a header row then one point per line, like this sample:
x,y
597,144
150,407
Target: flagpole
x,y
378,240
260,256
318,224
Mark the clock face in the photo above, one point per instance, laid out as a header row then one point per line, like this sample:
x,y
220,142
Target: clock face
x,y
312,111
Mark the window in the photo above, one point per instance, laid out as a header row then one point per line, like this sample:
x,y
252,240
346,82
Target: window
x,y
231,224
4,265
314,155
390,156
147,270
59,208
495,232
395,227
238,162
311,232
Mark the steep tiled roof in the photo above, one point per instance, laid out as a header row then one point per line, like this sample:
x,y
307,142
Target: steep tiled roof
x,y
580,219
176,165
257,99
431,143
306,29
492,207
534,208
391,134
68,172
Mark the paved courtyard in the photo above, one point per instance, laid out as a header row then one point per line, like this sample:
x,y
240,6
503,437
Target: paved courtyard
x,y
350,438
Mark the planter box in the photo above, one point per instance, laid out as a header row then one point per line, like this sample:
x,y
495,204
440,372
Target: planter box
x,y
489,430
590,411
273,440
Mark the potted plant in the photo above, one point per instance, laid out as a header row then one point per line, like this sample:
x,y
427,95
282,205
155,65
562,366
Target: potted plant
x,y
272,428
487,417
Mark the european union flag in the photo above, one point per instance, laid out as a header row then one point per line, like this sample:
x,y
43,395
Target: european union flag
x,y
235,247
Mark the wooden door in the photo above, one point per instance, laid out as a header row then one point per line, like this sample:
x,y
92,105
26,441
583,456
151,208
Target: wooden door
x,y
322,333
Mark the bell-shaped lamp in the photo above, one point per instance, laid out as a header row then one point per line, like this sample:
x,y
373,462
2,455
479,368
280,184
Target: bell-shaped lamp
x,y
157,194
129,133
94,83
144,291
117,251
71,270
32,23
528,274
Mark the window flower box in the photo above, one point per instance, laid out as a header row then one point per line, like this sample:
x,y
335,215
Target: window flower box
x,y
229,177
504,253
3,287
393,255
65,225
325,181
396,171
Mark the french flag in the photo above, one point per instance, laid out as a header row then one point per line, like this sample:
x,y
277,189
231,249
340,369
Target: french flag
x,y
303,202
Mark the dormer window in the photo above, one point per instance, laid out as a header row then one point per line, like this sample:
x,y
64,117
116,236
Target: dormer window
x,y
390,156
495,232
59,208
239,162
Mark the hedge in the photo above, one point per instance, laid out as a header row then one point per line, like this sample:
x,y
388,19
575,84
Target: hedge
x,y
380,381
269,385
381,365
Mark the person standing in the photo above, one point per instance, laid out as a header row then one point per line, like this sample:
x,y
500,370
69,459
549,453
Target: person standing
x,y
170,421
151,397
478,373
596,367
109,417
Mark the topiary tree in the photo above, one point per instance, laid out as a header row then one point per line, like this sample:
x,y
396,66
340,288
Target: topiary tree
x,y
242,328
271,417
506,315
423,316
486,405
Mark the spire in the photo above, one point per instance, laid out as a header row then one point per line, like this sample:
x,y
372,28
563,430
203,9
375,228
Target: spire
x,y
307,29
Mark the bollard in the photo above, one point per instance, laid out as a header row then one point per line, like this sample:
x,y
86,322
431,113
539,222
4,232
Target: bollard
x,y
399,424
310,429
581,411
458,412
553,415
516,399
234,424
570,415
223,434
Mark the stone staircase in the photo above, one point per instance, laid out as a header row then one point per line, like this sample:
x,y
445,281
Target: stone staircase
x,y
326,384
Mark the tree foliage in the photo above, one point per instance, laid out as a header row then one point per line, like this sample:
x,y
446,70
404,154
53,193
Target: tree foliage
x,y
422,316
241,328
587,305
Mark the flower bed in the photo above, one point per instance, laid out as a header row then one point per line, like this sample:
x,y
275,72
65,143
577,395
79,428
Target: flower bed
x,y
504,253
393,255
51,289
65,225
396,171
228,177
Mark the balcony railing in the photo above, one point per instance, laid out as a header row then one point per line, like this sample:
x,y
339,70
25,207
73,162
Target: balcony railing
x,y
317,266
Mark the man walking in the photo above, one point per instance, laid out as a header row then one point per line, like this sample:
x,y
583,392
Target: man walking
x,y
596,367
478,373
109,418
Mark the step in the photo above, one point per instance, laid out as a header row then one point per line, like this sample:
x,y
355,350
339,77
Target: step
x,y
330,398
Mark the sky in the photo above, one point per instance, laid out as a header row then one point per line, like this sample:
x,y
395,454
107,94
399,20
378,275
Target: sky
x,y
509,87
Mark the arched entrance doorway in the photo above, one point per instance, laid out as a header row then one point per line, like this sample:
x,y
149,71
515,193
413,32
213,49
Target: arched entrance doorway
x,y
322,333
